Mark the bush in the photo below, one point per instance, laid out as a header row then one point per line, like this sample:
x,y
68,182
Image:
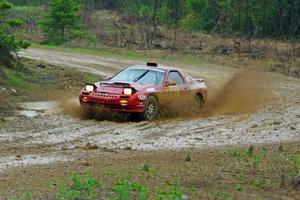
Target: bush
x,y
9,45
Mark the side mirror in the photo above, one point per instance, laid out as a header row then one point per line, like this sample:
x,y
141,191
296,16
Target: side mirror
x,y
170,83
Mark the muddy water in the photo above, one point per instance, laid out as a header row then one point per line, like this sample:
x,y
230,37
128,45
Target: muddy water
x,y
33,109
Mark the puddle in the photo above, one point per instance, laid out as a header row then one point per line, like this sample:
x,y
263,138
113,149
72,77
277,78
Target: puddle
x,y
29,113
33,109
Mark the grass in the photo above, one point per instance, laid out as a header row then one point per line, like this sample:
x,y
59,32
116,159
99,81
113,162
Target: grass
x,y
123,53
89,188
23,8
18,79
249,173
91,78
157,56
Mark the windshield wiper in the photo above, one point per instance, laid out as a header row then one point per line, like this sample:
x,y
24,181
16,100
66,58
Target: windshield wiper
x,y
138,78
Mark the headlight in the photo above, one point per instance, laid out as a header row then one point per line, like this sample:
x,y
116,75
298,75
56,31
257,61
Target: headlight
x,y
128,91
89,88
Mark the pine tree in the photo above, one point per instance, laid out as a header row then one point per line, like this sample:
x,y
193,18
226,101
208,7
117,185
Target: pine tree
x,y
62,22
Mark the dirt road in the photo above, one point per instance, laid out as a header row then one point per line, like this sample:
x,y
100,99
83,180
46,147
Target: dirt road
x,y
233,117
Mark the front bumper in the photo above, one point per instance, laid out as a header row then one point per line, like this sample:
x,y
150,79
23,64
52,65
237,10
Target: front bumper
x,y
116,102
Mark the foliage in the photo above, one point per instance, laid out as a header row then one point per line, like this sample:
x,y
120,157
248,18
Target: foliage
x,y
27,196
9,44
126,190
170,13
90,189
260,18
87,189
23,8
62,22
171,194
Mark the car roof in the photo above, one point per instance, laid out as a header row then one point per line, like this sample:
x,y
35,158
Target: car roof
x,y
158,67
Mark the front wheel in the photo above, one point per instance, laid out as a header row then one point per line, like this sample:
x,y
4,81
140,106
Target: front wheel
x,y
151,108
198,101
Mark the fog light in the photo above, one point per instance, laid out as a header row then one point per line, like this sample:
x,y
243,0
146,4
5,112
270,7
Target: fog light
x,y
84,99
123,102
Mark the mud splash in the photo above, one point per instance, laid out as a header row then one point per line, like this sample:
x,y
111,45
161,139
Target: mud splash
x,y
245,92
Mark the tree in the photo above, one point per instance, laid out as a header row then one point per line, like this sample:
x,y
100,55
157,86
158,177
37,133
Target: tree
x,y
169,14
62,22
9,45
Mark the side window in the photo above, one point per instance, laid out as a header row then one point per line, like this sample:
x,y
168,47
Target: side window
x,y
160,77
176,77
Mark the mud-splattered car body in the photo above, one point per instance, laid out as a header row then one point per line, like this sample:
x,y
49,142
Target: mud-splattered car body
x,y
145,89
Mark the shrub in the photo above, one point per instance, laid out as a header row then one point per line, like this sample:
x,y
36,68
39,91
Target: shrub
x,y
9,45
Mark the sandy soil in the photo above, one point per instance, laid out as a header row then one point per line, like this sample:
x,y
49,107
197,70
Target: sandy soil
x,y
245,108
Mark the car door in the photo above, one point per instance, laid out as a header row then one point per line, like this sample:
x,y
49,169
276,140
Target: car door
x,y
175,93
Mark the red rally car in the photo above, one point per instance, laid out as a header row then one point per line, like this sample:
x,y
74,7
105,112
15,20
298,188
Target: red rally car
x,y
145,89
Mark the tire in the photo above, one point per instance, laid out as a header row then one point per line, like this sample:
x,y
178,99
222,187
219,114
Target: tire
x,y
198,101
151,109
87,112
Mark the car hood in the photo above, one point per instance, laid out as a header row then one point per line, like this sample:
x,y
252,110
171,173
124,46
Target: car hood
x,y
118,87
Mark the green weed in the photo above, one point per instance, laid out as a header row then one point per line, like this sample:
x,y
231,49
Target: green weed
x,y
171,194
239,188
146,167
295,162
126,190
223,195
257,182
87,189
188,157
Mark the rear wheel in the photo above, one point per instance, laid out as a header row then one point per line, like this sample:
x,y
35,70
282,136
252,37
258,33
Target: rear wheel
x,y
151,108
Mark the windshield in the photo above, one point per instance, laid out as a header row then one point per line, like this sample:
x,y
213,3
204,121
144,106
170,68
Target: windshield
x,y
139,75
